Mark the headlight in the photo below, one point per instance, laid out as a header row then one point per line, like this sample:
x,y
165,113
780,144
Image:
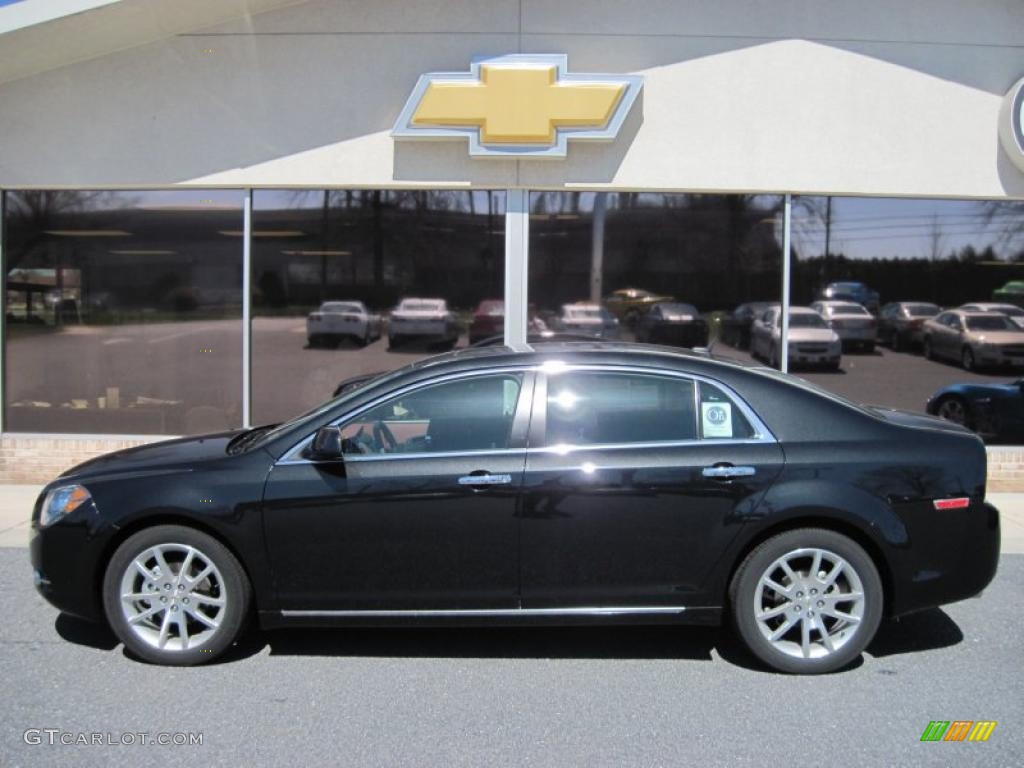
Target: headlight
x,y
62,501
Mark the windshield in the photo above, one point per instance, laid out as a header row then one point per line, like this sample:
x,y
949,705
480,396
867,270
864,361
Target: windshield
x,y
314,413
806,320
1009,310
337,306
678,309
848,309
922,310
421,306
991,323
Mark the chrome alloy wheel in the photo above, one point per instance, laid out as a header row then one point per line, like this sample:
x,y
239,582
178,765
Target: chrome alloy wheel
x,y
809,603
173,597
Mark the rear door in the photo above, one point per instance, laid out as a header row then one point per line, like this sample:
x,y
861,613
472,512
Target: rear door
x,y
635,484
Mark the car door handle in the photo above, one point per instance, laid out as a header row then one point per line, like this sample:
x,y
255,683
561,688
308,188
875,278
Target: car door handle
x,y
485,479
725,472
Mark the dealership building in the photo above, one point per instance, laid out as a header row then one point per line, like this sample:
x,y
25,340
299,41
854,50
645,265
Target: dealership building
x,y
184,184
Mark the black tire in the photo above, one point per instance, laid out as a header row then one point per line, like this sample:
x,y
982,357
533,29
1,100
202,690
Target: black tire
x,y
235,591
896,344
743,589
955,409
869,347
394,341
314,341
928,353
967,359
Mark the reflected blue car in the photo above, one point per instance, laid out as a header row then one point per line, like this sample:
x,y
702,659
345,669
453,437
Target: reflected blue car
x,y
994,411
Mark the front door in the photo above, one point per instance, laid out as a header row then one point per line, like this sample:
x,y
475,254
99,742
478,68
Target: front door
x,y
640,486
420,515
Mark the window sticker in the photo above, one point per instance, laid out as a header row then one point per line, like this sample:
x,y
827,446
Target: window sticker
x,y
716,419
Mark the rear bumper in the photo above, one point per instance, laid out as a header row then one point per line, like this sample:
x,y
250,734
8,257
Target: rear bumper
x,y
953,555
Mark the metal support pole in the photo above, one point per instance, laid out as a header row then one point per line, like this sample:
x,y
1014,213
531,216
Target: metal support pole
x,y
597,247
247,309
784,355
3,313
517,241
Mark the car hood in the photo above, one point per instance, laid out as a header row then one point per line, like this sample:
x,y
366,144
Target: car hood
x,y
168,455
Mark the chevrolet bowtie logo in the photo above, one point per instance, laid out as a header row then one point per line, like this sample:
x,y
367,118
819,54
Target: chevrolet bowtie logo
x,y
518,105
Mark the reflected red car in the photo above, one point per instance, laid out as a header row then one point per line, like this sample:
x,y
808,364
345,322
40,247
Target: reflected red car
x,y
488,320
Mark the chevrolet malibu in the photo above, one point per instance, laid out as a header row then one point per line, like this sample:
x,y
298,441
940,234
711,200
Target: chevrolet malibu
x,y
564,483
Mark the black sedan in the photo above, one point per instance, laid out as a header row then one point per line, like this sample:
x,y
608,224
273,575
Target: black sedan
x,y
673,323
575,483
995,411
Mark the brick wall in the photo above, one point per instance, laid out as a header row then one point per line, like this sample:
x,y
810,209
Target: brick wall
x,y
39,459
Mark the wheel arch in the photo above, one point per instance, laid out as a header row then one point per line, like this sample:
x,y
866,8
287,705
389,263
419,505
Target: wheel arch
x,y
818,519
166,518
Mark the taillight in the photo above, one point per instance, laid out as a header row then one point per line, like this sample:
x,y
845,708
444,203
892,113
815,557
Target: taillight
x,y
959,503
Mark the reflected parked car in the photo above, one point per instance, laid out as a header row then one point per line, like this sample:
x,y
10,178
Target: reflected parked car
x,y
336,320
811,341
995,411
855,325
850,290
1012,311
630,304
488,320
422,320
589,319
974,339
901,323
679,325
1011,293
735,327
492,486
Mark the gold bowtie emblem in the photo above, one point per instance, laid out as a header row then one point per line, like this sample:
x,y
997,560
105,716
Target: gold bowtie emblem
x,y
518,105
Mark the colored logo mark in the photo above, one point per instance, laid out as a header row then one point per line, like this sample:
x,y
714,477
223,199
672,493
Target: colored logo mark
x,y
958,730
518,105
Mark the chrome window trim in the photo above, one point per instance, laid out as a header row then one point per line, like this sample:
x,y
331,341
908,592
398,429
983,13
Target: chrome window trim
x,y
762,434
455,612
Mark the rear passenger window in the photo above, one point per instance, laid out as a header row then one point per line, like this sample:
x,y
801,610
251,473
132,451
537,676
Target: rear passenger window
x,y
593,408
719,416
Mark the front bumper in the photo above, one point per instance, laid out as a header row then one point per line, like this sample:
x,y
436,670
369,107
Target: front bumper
x,y
64,558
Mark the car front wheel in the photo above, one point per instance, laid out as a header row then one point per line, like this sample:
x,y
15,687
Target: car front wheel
x,y
175,596
807,601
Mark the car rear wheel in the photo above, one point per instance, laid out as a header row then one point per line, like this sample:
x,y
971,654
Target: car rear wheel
x,y
807,601
175,596
928,352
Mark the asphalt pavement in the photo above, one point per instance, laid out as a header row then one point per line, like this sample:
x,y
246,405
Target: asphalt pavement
x,y
626,696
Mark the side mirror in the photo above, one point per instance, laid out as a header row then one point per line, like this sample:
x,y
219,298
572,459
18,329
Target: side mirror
x,y
327,443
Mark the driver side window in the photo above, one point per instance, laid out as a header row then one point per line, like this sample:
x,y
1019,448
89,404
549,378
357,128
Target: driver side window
x,y
470,414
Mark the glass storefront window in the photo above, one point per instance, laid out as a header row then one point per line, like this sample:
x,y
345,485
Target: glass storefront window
x,y
687,270
927,297
123,311
348,283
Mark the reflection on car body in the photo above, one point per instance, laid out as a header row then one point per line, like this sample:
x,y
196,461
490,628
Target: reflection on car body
x,y
851,290
673,323
336,320
736,325
974,339
811,341
575,482
422,320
